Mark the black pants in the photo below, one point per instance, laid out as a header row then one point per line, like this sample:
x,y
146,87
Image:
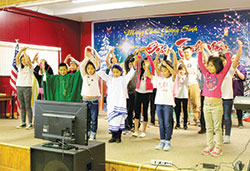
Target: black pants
x,y
142,99
131,109
152,106
239,116
178,103
202,118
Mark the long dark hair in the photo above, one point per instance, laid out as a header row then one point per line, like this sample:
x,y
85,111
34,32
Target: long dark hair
x,y
142,70
22,66
218,64
89,63
169,64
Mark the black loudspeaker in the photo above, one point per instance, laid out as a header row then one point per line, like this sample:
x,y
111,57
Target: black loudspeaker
x,y
85,158
242,103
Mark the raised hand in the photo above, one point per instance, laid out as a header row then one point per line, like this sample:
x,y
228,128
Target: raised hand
x,y
69,55
71,58
36,58
181,61
201,45
136,51
239,43
143,49
163,62
112,49
24,49
223,47
204,45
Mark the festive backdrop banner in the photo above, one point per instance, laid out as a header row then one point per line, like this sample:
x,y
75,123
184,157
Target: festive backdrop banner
x,y
176,32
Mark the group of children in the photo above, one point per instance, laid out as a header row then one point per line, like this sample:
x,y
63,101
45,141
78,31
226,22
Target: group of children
x,y
175,81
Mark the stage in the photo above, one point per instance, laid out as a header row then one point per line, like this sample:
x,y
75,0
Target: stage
x,y
132,152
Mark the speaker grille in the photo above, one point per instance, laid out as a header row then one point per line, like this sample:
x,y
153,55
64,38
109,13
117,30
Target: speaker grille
x,y
55,165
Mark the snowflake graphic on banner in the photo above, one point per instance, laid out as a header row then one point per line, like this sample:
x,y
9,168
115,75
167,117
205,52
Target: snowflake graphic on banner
x,y
104,51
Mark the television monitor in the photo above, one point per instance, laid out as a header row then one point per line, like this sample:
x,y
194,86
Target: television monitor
x,y
64,122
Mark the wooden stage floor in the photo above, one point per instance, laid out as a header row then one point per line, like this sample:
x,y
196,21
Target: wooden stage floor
x,y
185,152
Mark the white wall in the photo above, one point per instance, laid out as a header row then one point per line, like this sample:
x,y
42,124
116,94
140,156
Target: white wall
x,y
7,51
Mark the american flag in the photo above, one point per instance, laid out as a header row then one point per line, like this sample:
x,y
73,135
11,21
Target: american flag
x,y
13,78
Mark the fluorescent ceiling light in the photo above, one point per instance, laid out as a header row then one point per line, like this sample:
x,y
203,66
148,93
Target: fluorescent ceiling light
x,y
82,1
37,3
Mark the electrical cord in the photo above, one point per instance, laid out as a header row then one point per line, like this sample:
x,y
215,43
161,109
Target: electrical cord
x,y
216,167
91,157
191,168
63,144
109,166
232,163
143,164
245,148
157,166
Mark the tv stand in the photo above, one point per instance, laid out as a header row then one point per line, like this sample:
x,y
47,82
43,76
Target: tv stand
x,y
87,158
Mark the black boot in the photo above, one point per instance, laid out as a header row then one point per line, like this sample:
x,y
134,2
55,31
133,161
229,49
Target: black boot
x,y
185,126
113,139
118,138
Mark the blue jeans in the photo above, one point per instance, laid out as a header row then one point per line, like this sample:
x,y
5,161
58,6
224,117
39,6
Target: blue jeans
x,y
165,117
227,111
93,111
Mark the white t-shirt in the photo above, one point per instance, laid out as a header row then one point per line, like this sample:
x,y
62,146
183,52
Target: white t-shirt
x,y
164,90
90,85
24,76
227,84
181,90
192,68
142,88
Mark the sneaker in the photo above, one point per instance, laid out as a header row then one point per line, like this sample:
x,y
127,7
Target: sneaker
x,y
132,130
142,135
112,140
207,151
150,124
29,126
125,132
160,146
92,137
216,152
226,139
241,126
135,134
21,126
167,147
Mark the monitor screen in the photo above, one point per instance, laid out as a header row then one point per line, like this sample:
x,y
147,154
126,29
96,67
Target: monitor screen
x,y
61,121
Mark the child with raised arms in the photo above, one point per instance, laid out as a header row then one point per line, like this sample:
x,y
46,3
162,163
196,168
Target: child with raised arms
x,y
144,88
214,75
117,94
181,94
90,91
164,99
24,86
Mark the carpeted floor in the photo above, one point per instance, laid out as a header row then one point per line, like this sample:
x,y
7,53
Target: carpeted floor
x,y
185,152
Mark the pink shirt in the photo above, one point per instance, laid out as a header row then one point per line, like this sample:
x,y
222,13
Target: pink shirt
x,y
213,82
